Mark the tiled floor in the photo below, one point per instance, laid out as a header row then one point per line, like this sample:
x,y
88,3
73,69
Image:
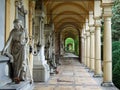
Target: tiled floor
x,y
72,76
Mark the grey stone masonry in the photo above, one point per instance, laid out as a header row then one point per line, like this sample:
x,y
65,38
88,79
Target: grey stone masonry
x,y
5,80
4,71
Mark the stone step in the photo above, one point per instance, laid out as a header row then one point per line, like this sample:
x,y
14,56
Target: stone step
x,y
24,85
4,80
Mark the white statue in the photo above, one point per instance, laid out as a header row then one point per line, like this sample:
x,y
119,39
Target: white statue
x,y
17,43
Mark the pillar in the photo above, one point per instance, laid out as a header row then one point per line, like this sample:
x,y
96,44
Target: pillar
x,y
88,49
87,43
31,41
92,50
91,28
107,46
85,59
98,69
82,49
7,19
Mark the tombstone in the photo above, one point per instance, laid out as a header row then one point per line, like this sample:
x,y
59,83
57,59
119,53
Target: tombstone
x,y
41,71
17,75
49,48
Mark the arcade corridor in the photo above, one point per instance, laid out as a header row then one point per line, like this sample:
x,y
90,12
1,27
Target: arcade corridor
x,y
49,31
72,76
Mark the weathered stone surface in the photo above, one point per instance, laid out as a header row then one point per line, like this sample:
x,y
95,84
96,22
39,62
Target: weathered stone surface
x,y
72,77
4,71
26,85
2,23
41,70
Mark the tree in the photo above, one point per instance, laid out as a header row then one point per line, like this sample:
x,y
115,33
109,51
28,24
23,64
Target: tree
x,y
116,21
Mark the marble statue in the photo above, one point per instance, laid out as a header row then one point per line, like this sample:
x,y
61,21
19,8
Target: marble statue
x,y
15,48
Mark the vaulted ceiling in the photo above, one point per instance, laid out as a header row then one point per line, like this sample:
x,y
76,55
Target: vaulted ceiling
x,y
67,14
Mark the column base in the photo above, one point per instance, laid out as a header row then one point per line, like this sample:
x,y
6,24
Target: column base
x,y
107,84
97,75
91,71
86,67
83,65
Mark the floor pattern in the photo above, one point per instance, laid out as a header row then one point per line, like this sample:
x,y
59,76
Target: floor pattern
x,y
72,76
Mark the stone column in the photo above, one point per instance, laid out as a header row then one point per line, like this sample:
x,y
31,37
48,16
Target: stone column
x,y
31,15
85,46
98,69
91,28
88,49
82,49
7,19
31,40
92,49
107,46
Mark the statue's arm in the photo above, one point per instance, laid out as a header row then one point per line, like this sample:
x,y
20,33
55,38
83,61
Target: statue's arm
x,y
7,43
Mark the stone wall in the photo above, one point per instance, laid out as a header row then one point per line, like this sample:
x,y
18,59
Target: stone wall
x,y
2,23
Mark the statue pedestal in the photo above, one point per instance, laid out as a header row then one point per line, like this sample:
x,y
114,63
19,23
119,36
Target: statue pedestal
x,y
4,71
5,80
23,85
41,71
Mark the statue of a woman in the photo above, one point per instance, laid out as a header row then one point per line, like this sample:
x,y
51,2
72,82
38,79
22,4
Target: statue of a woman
x,y
17,43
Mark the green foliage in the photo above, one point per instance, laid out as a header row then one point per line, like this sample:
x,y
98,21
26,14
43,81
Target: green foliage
x,y
116,75
116,57
75,43
116,63
115,45
116,20
69,41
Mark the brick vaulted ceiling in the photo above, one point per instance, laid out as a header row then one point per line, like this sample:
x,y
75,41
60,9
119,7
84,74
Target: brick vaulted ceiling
x,y
67,14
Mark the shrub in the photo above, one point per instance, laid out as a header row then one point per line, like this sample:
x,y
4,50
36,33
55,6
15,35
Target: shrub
x,y
116,63
116,75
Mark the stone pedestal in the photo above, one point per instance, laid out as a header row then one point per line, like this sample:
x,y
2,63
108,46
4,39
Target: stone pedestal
x,y
41,71
5,80
4,71
25,85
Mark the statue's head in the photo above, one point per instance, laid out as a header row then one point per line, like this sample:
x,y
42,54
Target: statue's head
x,y
17,23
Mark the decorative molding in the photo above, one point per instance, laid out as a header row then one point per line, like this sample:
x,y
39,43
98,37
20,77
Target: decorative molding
x,y
20,12
19,4
107,9
107,4
97,18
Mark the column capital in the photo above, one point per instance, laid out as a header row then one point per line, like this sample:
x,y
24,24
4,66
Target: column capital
x,y
97,21
87,30
97,18
107,9
92,32
32,3
82,37
92,25
88,34
98,25
85,34
107,4
92,28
